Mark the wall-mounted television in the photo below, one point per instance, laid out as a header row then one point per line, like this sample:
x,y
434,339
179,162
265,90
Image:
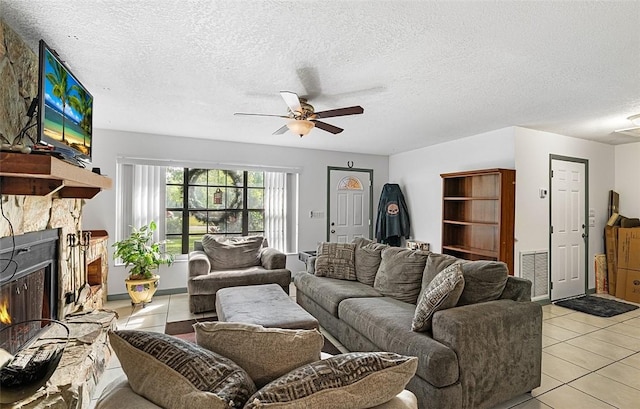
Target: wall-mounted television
x,y
65,108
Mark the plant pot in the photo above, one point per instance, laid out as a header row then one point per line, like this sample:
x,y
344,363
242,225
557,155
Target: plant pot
x,y
141,291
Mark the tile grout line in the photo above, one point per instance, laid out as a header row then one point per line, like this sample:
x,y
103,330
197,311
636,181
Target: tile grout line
x,y
614,361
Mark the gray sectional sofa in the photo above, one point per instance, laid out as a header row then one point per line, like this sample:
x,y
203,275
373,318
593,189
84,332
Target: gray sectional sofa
x,y
475,355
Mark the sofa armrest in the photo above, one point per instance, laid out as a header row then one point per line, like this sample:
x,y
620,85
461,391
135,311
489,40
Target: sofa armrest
x,y
517,289
199,263
272,259
499,348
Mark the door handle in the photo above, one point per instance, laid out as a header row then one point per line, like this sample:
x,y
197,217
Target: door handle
x,y
333,231
584,236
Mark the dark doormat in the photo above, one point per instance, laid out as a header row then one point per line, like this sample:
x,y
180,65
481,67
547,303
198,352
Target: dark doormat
x,y
597,306
184,330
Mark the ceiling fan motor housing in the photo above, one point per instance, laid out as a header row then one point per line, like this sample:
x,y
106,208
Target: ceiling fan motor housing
x,y
306,111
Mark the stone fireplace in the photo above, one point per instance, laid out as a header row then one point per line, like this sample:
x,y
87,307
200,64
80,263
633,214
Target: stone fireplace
x,y
55,271
80,268
31,286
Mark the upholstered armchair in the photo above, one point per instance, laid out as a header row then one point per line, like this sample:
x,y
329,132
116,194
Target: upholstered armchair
x,y
237,261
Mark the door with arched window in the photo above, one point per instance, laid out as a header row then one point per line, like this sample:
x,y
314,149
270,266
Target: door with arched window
x,y
349,194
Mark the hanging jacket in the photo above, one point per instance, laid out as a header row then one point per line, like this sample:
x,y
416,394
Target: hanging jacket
x,y
392,221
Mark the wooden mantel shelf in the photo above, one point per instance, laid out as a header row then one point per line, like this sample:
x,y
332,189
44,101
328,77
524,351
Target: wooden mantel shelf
x,y
41,175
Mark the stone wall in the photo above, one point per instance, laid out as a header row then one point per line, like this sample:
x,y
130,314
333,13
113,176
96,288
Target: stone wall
x,y
18,86
18,82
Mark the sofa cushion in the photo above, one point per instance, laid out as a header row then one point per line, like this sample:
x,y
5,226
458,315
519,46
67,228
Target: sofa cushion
x,y
368,258
329,292
435,264
442,292
177,374
483,281
233,252
336,260
118,395
357,380
400,273
273,351
215,280
387,323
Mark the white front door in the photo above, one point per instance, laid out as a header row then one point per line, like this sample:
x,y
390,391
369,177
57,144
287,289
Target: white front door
x,y
349,207
568,233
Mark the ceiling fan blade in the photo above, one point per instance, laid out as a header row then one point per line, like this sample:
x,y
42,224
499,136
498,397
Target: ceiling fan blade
x,y
280,131
292,100
246,114
355,110
328,127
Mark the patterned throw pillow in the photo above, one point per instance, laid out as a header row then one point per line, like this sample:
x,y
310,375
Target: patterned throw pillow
x,y
442,292
273,351
336,260
356,380
177,374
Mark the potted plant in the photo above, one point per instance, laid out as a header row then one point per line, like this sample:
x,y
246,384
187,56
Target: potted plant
x,y
141,256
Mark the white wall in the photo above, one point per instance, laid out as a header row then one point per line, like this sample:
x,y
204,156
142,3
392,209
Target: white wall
x,y
527,151
418,174
627,174
532,150
99,212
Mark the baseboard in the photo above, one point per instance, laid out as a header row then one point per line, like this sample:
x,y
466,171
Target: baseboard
x,y
125,296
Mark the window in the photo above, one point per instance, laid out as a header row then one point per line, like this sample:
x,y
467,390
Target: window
x,y
224,203
187,202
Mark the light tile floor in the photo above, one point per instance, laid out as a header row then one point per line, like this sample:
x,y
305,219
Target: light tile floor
x,y
587,361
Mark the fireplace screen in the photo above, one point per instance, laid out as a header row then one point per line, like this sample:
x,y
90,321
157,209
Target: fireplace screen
x,y
23,299
28,285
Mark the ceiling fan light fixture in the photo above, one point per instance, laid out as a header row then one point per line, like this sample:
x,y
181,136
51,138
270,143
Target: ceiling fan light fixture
x,y
635,119
300,126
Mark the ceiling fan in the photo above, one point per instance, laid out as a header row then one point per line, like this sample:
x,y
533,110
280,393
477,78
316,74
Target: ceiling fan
x,y
635,131
303,118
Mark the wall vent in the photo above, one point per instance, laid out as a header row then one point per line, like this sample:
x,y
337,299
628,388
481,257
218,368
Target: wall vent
x,y
534,266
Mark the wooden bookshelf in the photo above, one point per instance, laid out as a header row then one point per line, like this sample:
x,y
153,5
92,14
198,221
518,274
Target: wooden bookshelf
x,y
41,175
478,214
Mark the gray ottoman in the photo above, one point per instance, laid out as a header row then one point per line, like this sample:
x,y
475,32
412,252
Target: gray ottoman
x,y
267,305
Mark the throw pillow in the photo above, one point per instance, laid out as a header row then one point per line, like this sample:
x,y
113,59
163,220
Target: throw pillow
x,y
177,374
273,351
442,292
336,260
483,281
400,273
368,257
435,264
356,380
233,252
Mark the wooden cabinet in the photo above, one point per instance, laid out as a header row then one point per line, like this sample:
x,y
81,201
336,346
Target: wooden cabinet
x,y
478,211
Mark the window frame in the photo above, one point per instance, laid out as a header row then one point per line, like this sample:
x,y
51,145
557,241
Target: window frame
x,y
186,210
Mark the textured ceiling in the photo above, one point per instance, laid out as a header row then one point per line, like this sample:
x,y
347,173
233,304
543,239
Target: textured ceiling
x,y
424,71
